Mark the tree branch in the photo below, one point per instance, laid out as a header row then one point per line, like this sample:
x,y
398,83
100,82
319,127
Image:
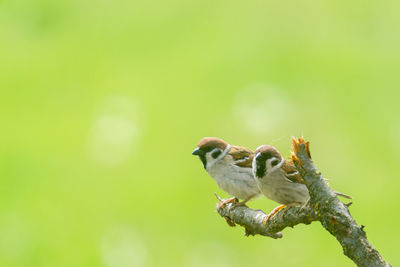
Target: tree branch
x,y
252,220
324,206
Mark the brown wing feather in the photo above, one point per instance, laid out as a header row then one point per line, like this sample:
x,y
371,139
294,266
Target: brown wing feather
x,y
291,172
242,156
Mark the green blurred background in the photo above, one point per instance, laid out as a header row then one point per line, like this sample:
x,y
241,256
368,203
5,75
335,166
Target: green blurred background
x,y
102,103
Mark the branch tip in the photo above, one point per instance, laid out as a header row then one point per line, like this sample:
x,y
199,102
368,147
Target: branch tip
x,y
218,197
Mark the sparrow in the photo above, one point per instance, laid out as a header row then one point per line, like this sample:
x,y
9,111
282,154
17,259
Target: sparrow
x,y
231,168
279,179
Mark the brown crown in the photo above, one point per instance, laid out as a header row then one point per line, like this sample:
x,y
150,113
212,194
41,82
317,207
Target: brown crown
x,y
269,150
212,142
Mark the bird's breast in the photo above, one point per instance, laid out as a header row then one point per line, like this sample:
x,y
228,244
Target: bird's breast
x,y
277,187
234,180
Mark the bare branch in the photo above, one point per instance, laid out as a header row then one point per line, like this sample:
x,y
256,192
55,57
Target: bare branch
x,y
324,206
334,215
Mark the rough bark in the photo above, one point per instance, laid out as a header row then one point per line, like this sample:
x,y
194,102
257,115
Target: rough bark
x,y
252,220
324,206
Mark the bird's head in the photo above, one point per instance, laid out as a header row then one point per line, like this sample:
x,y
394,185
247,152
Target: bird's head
x,y
266,160
210,150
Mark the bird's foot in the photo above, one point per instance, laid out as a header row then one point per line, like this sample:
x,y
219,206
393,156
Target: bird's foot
x,y
272,213
224,202
241,203
237,204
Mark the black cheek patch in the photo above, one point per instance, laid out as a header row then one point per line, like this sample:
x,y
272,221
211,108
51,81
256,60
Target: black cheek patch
x,y
216,154
274,162
260,167
203,160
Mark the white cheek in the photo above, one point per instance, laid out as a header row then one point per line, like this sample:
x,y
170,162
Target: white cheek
x,y
210,160
253,166
268,165
208,157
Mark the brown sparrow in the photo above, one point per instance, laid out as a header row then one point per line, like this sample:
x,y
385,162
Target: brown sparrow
x,y
279,179
230,166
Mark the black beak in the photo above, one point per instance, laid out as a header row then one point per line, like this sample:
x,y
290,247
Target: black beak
x,y
197,152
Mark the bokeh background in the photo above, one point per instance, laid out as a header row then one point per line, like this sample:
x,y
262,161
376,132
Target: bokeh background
x,y
102,102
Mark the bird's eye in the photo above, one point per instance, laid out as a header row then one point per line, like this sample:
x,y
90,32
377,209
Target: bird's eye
x,y
216,154
274,162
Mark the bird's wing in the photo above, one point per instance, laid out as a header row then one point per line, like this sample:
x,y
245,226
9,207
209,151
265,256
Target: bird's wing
x,y
291,172
242,156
